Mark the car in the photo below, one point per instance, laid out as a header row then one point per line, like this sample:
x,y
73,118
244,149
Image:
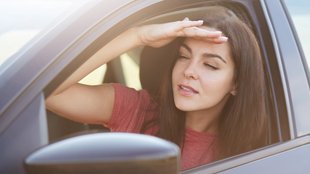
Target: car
x,y
33,70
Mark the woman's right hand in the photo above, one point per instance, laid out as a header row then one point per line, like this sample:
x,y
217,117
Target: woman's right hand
x,y
157,35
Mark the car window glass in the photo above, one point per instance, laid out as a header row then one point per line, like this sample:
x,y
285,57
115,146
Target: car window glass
x,y
300,15
96,77
22,20
130,68
130,65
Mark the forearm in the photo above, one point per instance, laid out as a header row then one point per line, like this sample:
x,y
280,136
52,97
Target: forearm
x,y
113,49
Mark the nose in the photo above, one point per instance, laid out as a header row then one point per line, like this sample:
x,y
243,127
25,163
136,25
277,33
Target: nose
x,y
190,71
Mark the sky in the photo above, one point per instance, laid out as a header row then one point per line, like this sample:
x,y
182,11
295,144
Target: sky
x,y
22,20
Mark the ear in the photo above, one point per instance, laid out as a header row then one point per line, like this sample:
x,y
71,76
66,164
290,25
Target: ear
x,y
234,90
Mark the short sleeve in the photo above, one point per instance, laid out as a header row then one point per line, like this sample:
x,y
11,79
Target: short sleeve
x,y
131,108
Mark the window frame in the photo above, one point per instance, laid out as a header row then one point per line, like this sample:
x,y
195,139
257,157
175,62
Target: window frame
x,y
293,69
275,73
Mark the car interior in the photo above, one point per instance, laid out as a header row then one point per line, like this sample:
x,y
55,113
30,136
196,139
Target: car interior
x,y
142,68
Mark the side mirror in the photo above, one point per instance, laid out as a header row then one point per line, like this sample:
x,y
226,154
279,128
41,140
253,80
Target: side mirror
x,y
112,153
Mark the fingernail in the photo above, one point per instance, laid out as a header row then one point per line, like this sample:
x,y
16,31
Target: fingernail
x,y
218,32
223,38
186,19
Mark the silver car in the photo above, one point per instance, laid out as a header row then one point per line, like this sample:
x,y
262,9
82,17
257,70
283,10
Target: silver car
x,y
47,43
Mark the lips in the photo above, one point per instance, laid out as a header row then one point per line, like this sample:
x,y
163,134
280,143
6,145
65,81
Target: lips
x,y
186,90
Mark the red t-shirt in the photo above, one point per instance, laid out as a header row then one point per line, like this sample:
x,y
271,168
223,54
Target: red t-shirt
x,y
131,109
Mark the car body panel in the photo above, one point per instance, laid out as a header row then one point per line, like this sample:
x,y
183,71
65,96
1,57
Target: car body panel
x,y
27,133
280,162
266,160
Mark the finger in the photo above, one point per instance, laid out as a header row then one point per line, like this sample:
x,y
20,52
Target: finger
x,y
217,40
200,32
180,25
176,28
220,40
186,19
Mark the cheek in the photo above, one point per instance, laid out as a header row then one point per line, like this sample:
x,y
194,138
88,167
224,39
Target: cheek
x,y
218,84
176,71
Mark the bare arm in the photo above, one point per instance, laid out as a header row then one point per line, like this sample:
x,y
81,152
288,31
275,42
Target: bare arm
x,y
90,104
94,104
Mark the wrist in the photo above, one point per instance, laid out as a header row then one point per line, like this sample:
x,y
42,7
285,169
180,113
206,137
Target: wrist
x,y
135,36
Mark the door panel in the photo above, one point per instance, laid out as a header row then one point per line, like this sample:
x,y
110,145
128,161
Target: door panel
x,y
24,135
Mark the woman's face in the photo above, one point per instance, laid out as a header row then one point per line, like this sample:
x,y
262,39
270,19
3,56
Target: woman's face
x,y
203,76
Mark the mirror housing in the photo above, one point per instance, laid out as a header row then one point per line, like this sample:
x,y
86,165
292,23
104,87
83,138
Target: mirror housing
x,y
106,153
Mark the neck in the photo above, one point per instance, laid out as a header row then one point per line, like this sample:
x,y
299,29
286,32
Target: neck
x,y
202,122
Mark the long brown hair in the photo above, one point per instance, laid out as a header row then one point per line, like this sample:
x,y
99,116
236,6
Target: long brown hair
x,y
243,122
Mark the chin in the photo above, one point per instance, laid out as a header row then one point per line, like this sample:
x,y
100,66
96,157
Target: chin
x,y
184,107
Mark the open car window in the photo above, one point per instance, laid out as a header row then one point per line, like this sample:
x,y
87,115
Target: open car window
x,y
126,70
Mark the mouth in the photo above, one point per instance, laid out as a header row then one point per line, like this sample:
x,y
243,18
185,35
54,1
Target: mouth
x,y
187,90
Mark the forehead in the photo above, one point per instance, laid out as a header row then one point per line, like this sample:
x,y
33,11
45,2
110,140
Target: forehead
x,y
201,46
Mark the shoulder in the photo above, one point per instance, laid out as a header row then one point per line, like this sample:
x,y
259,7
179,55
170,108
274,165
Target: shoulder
x,y
126,93
131,108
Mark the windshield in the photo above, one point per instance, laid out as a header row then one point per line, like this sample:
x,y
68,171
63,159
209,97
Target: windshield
x,y
22,20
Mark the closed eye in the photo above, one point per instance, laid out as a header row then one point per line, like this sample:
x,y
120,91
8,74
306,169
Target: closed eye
x,y
211,66
182,57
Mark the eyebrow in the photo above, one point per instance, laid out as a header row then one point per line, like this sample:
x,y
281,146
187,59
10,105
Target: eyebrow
x,y
207,55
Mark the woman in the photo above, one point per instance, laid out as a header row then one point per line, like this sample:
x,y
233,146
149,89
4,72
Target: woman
x,y
211,104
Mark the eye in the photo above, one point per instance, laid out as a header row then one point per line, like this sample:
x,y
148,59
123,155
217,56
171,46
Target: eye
x,y
182,56
208,65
